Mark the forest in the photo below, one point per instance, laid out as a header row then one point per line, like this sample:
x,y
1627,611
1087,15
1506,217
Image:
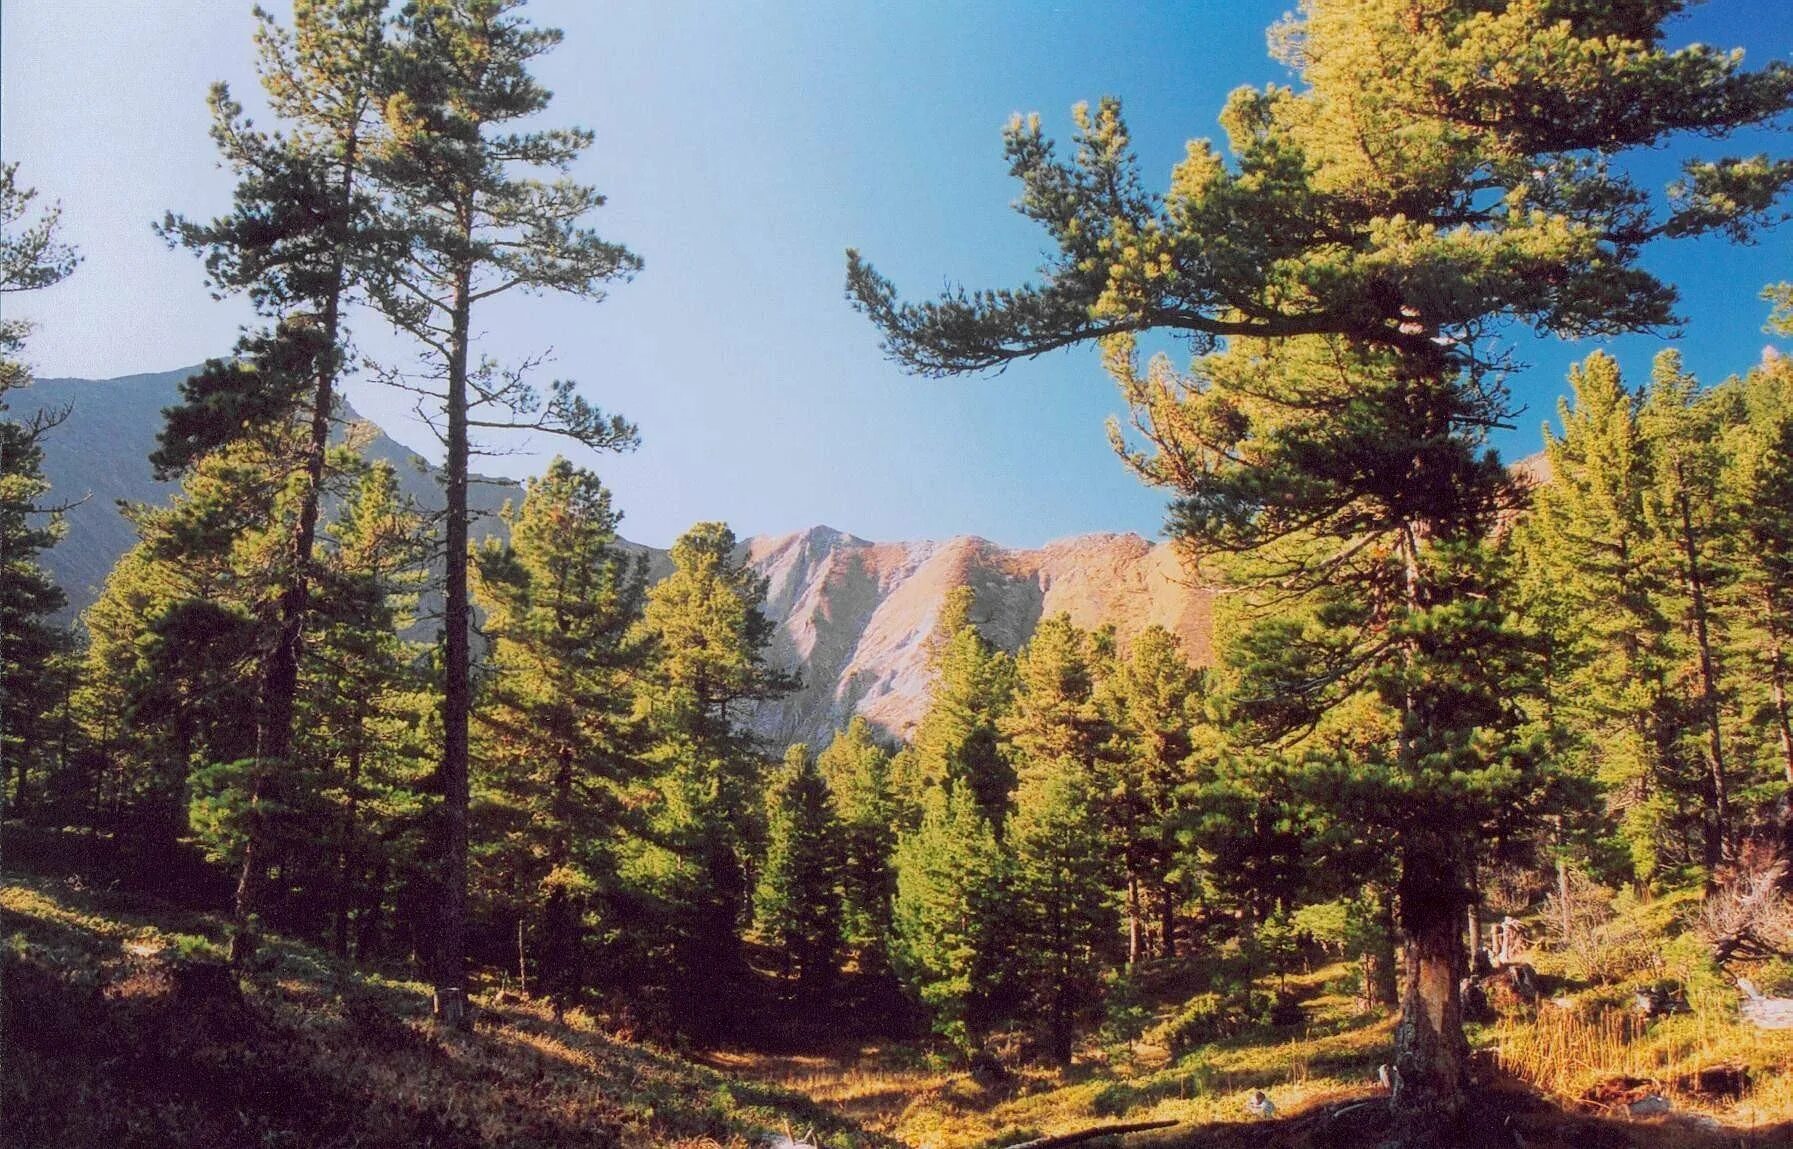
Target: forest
x,y
1488,783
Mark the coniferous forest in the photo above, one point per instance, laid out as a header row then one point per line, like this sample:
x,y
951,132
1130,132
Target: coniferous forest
x,y
341,819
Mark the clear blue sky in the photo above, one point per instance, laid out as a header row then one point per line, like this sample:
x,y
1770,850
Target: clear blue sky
x,y
743,147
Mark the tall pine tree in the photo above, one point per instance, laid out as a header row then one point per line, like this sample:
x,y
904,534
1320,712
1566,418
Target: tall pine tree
x,y
463,191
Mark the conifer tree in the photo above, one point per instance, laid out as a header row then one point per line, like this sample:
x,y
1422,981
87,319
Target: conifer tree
x,y
1593,550
1056,713
1427,182
948,943
558,733
1154,695
477,222
959,738
798,900
709,632
298,241
1060,880
1759,487
858,772
1681,430
365,702
32,256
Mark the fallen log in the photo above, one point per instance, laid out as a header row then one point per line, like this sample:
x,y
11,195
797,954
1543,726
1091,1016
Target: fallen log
x,y
1082,1135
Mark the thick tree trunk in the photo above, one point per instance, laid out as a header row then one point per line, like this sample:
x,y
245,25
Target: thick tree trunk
x,y
1431,1054
1168,908
457,696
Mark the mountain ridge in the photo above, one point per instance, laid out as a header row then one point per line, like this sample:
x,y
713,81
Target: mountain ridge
x,y
852,615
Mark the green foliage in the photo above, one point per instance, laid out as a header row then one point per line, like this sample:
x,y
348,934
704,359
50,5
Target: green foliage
x,y
32,256
706,625
858,773
959,739
559,741
1059,878
798,900
948,939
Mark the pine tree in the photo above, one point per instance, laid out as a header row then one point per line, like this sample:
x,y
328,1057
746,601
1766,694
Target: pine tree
x,y
1593,551
1154,695
858,772
32,256
1759,486
959,738
478,224
948,943
556,721
1427,181
709,632
1056,713
1684,508
365,704
798,900
1060,882
297,241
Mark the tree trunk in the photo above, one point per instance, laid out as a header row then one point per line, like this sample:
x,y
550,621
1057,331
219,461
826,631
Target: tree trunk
x,y
1718,844
348,855
1135,926
280,674
457,697
1431,1054
1168,907
561,943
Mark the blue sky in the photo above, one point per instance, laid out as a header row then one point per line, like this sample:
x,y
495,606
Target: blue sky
x,y
743,148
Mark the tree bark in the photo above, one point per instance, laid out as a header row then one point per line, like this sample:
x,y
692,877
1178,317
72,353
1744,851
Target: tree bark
x,y
457,697
1431,1054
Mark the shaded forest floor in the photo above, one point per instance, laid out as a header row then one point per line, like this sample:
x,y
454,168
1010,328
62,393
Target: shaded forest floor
x,y
121,1028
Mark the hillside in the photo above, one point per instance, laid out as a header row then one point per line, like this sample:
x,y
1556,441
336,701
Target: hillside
x,y
853,616
122,1027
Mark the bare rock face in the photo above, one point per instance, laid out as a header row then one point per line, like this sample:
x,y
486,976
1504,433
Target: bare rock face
x,y
854,616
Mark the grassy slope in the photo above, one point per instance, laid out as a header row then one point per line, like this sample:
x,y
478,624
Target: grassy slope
x,y
118,1033
1311,1073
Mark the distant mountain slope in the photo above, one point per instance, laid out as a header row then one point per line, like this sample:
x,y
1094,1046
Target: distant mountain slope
x,y
853,616
100,456
856,615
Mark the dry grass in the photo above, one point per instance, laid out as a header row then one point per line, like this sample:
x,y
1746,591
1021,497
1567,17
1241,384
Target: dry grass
x,y
1703,1062
112,1039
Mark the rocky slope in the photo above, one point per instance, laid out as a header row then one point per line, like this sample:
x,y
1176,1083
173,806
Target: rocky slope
x,y
853,615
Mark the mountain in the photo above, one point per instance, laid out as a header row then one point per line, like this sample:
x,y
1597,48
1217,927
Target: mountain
x,y
99,457
856,615
853,616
